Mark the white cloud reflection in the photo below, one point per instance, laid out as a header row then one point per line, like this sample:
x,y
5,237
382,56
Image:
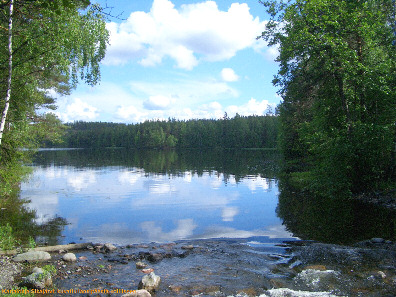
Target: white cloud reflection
x,y
132,192
82,179
229,213
183,230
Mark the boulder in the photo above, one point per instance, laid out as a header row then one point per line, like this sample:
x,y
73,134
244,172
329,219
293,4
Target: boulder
x,y
37,280
69,257
312,279
137,293
150,282
32,256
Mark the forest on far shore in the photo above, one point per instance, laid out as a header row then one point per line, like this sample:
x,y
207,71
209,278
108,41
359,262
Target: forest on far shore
x,y
236,132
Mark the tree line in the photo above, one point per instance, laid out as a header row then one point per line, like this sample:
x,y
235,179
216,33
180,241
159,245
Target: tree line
x,y
236,132
337,80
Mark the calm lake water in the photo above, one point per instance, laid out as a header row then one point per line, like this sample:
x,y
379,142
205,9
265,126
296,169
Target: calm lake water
x,y
126,197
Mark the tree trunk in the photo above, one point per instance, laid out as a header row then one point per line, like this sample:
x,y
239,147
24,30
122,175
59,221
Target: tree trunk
x,y
8,96
53,248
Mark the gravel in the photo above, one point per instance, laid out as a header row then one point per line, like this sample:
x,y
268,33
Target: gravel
x,y
8,270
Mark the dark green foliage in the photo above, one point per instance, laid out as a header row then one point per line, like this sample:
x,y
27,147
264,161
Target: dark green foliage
x,y
337,78
238,132
55,44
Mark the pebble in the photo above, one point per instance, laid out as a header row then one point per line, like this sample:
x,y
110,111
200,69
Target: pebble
x,y
141,265
187,247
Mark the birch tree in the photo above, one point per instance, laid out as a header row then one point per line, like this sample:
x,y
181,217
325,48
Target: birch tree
x,y
52,45
9,80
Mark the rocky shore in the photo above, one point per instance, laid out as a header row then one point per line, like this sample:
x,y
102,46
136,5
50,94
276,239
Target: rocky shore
x,y
220,268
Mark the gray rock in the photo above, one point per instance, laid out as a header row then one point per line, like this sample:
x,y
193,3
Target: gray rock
x,y
138,293
38,270
32,256
69,257
140,265
108,247
187,247
377,240
150,282
312,279
155,257
37,280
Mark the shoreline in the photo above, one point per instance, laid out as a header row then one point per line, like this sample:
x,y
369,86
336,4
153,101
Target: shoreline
x,y
228,267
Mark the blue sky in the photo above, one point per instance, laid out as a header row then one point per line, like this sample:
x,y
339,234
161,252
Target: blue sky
x,y
179,59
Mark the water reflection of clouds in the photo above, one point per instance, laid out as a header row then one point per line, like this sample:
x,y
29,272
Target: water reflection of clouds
x,y
184,229
187,177
122,190
81,179
45,205
117,233
257,182
128,177
229,213
275,231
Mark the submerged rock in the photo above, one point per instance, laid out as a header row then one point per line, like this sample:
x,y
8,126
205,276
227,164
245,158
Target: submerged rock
x,y
140,265
150,282
317,279
291,293
32,256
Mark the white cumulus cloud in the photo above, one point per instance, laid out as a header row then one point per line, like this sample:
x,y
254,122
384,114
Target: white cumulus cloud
x,y
229,75
186,34
78,110
157,102
252,107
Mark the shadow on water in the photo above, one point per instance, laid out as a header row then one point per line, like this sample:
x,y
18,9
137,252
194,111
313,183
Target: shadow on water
x,y
336,220
236,162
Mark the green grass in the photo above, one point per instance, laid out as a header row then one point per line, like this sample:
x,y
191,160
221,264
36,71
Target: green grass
x,y
7,240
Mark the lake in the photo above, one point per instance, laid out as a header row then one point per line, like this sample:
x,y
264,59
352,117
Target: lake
x,y
124,197
138,196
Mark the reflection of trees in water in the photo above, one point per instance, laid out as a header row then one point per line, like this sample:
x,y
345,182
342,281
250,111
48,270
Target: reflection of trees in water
x,y
336,220
13,211
238,163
